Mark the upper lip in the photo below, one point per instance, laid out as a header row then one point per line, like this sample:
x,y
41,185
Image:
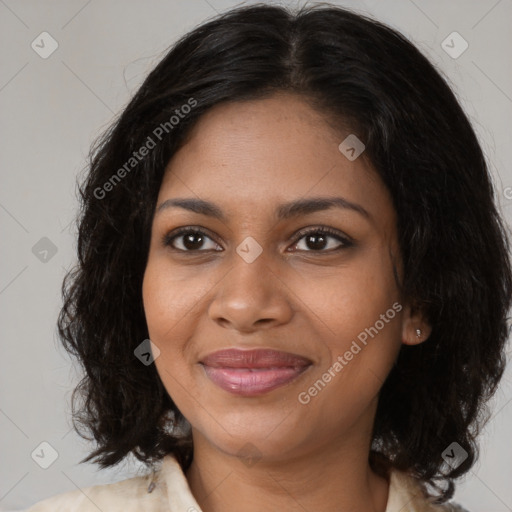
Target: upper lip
x,y
257,358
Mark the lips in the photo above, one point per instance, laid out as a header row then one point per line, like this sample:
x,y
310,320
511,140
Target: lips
x,y
253,372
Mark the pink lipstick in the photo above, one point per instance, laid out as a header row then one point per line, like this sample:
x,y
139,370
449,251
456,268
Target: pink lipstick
x,y
253,372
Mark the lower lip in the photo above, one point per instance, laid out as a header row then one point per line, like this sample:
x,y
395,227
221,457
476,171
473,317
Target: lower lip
x,y
252,382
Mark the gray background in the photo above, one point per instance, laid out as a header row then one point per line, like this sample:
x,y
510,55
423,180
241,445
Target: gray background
x,y
53,108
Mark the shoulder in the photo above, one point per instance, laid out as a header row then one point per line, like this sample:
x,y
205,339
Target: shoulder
x,y
128,495
454,507
406,494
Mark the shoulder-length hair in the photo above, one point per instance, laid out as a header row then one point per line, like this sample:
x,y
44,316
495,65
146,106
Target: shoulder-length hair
x,y
360,74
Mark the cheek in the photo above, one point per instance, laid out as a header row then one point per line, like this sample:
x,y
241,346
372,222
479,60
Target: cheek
x,y
352,299
174,304
169,299
359,312
168,307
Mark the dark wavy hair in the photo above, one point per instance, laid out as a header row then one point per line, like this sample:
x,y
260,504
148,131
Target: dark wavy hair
x,y
358,73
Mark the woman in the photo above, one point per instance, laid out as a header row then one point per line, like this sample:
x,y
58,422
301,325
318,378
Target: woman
x,y
293,283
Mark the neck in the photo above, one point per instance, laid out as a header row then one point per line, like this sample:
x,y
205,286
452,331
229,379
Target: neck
x,y
336,478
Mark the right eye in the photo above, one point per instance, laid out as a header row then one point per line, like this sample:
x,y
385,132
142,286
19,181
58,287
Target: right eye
x,y
188,239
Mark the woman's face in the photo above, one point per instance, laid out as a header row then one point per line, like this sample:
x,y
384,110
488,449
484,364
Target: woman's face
x,y
252,279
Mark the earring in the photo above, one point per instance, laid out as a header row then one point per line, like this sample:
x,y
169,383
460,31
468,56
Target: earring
x,y
418,333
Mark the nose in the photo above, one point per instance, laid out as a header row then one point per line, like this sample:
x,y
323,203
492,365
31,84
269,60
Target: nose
x,y
250,297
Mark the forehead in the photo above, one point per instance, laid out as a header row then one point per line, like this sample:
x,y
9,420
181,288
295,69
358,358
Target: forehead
x,y
263,152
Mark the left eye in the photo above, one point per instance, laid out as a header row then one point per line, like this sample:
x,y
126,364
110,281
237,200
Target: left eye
x,y
316,240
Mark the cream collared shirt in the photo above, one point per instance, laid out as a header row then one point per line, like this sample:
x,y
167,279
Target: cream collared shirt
x,y
170,492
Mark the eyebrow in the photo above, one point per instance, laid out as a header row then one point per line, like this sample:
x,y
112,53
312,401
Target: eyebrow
x,y
284,211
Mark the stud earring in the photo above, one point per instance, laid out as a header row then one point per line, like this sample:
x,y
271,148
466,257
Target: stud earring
x,y
418,333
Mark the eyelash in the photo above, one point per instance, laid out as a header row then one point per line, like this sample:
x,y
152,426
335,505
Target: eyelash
x,y
168,239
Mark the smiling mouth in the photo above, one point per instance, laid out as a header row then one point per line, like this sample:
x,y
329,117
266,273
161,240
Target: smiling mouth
x,y
253,372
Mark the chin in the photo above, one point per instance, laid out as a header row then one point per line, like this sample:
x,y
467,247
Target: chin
x,y
271,436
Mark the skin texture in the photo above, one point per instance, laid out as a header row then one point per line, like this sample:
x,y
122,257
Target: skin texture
x,y
297,296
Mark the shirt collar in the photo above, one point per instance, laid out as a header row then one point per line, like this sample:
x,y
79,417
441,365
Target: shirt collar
x,y
405,493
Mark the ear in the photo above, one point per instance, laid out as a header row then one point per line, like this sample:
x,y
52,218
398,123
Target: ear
x,y
415,328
